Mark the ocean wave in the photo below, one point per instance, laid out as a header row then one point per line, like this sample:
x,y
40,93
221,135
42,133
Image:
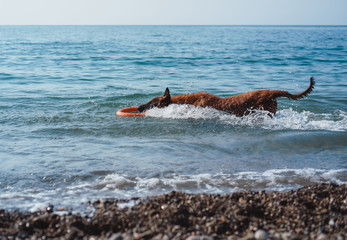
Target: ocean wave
x,y
284,119
123,186
273,179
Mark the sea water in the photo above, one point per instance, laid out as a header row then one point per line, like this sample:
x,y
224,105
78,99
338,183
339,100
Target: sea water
x,y
61,142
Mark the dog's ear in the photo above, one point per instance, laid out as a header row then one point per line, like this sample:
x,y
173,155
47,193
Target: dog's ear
x,y
167,96
167,92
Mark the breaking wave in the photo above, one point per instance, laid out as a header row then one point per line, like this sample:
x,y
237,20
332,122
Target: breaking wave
x,y
274,179
125,187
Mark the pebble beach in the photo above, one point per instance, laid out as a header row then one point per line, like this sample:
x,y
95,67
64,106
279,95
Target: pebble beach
x,y
72,169
311,212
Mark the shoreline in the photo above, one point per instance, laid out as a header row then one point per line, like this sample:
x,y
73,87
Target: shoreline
x,y
311,212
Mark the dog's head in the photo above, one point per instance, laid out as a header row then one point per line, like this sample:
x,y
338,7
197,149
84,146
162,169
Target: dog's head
x,y
159,102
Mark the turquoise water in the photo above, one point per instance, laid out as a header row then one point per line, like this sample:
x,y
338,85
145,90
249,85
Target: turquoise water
x,y
62,144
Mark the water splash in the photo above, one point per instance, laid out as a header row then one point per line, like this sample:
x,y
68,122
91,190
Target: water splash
x,y
285,119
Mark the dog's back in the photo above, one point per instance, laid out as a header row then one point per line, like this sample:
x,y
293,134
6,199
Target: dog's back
x,y
201,99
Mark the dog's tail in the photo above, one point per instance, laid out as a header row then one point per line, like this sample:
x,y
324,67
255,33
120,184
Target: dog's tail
x,y
298,95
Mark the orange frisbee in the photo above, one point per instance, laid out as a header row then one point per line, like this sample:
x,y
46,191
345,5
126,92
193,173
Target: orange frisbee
x,y
130,112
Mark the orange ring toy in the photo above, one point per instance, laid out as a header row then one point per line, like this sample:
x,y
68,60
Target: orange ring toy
x,y
129,112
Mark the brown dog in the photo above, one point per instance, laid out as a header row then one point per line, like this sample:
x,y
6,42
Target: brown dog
x,y
240,105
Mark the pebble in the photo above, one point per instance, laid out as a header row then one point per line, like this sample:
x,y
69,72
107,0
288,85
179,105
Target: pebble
x,y
287,236
116,236
261,235
322,236
332,222
199,238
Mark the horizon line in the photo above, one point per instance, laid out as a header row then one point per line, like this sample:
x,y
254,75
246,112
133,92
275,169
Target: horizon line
x,y
303,25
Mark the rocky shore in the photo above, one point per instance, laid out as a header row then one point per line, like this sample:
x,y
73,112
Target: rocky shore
x,y
312,212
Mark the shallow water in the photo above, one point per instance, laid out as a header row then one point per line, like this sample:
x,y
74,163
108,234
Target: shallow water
x,y
61,142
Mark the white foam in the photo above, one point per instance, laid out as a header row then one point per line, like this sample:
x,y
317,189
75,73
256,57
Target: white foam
x,y
306,120
284,119
124,186
116,181
176,111
275,179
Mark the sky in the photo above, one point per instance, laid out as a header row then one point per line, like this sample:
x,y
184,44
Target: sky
x,y
173,12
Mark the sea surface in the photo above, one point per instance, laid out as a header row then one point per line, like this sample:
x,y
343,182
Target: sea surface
x,y
61,142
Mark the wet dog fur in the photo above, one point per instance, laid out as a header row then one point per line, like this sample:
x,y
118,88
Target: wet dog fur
x,y
239,105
